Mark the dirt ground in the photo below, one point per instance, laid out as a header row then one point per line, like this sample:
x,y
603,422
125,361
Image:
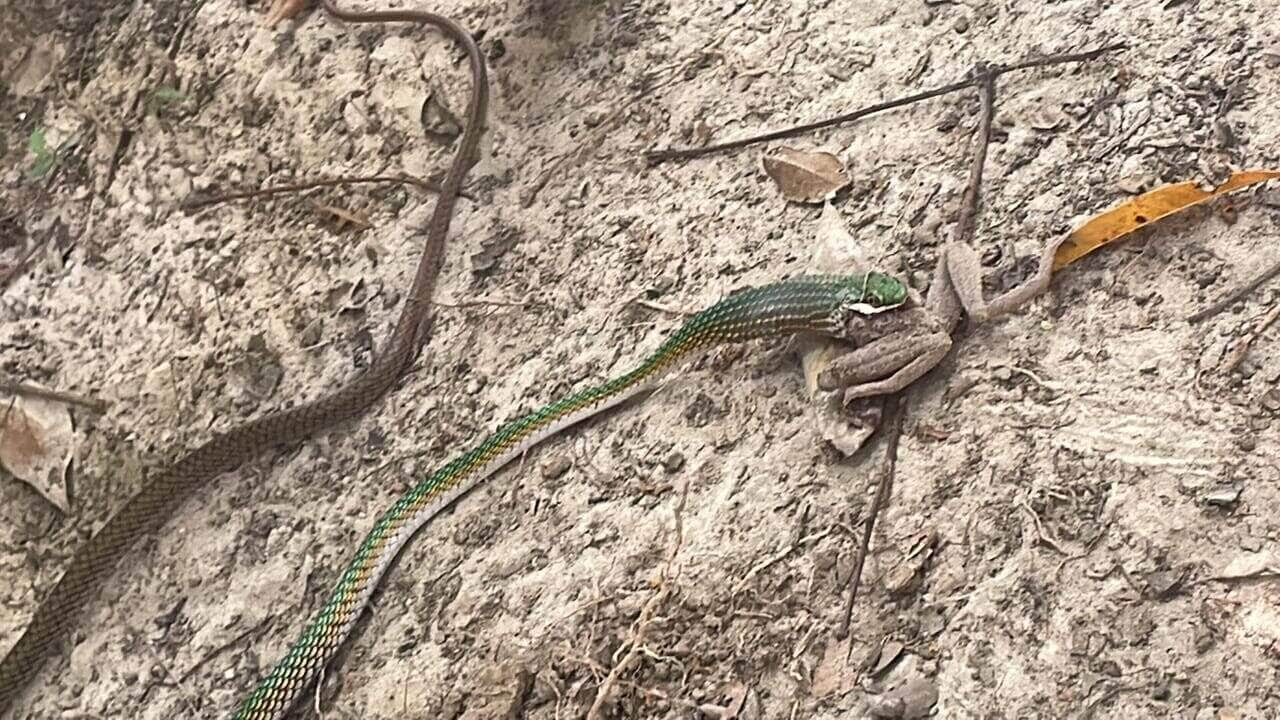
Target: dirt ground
x,y
1085,492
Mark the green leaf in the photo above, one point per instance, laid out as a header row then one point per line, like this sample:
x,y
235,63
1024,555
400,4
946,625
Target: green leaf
x,y
166,95
44,157
36,142
41,166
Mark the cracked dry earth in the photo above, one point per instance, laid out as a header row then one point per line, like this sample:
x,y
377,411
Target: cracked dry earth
x,y
1085,492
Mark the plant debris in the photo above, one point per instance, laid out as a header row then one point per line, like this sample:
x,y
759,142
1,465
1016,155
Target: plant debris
x,y
806,176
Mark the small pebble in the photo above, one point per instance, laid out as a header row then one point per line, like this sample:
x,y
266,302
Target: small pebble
x,y
1223,495
673,462
911,700
1271,400
310,336
556,467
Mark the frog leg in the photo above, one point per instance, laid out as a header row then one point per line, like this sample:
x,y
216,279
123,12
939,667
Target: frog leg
x,y
886,365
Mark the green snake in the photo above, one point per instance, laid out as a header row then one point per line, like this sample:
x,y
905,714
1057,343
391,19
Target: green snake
x,y
815,304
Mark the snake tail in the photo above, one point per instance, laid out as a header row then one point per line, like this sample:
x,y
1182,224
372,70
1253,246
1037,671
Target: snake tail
x,y
814,304
143,514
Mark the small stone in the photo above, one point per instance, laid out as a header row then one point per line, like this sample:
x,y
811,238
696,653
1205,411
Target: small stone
x,y
310,336
1271,400
1225,134
1046,119
257,343
592,118
556,467
911,700
1204,641
673,462
268,379
903,580
1223,495
1134,184
1163,583
961,24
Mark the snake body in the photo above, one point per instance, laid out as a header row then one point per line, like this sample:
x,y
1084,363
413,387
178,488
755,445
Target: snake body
x,y
817,304
144,513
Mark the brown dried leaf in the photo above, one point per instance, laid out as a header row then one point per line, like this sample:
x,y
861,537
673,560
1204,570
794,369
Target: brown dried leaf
x,y
835,674
36,444
889,653
737,701
806,176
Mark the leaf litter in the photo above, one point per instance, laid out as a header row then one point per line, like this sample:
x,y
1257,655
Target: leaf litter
x,y
37,442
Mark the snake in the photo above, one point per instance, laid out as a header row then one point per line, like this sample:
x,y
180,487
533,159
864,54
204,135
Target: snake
x,y
150,507
818,304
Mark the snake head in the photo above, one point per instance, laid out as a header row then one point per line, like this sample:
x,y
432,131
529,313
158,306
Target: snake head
x,y
872,292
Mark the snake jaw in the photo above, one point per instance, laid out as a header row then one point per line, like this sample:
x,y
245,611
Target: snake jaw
x,y
869,309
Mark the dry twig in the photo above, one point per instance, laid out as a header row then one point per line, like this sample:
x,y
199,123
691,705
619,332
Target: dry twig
x,y
200,200
1242,345
657,156
896,404
11,387
635,636
1236,295
895,410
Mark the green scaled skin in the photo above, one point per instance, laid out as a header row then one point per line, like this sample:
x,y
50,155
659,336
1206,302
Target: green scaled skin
x,y
816,304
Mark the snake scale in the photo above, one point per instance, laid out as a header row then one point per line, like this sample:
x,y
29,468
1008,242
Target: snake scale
x,y
144,513
816,304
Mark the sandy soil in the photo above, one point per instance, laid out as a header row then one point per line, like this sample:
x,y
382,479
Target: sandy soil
x,y
1070,484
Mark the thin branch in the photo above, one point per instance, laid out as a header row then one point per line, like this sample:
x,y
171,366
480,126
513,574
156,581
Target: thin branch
x,y
895,410
199,200
1242,345
896,405
967,223
653,157
1236,295
11,387
636,635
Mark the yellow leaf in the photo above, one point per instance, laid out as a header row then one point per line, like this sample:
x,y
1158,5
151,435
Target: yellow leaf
x,y
1144,210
